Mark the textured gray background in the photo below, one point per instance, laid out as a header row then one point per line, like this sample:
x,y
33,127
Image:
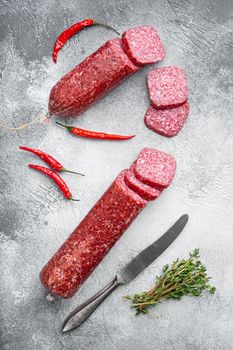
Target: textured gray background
x,y
35,219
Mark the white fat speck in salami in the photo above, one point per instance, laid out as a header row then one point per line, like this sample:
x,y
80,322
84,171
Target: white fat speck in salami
x,y
167,122
167,86
155,168
143,45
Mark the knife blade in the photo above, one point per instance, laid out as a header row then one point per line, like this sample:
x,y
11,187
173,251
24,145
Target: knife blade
x,y
138,264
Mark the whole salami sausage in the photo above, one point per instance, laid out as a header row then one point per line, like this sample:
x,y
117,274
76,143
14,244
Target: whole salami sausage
x,y
103,70
97,233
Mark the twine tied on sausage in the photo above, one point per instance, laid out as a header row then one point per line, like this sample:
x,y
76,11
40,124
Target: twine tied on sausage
x,y
45,119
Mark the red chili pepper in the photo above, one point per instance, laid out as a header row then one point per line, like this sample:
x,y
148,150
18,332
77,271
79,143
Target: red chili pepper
x,y
49,160
75,28
93,134
56,178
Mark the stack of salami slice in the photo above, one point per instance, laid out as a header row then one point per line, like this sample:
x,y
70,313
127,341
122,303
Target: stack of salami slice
x,y
169,109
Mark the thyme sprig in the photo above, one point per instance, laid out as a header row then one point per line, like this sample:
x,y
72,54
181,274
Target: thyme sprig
x,y
182,277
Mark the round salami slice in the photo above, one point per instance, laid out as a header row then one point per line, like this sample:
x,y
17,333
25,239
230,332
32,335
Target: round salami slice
x,y
143,45
155,168
147,192
167,86
167,122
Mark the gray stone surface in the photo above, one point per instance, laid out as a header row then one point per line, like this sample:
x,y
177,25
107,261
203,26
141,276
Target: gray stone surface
x,y
35,219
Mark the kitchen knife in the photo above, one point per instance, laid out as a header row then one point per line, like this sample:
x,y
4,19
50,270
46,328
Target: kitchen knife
x,y
126,275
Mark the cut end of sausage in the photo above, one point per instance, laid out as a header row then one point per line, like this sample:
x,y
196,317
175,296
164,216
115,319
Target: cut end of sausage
x,y
145,191
155,168
143,45
167,122
168,86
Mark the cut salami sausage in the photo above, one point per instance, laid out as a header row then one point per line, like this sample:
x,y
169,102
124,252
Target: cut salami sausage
x,y
96,234
143,45
91,80
167,86
155,168
145,191
92,239
167,122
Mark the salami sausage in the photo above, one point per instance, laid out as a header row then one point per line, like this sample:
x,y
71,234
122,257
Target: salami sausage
x,y
91,79
155,168
102,71
143,45
167,122
167,86
93,238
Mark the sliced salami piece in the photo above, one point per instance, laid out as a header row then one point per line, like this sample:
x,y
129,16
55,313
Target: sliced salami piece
x,y
155,168
167,122
134,199
143,45
167,86
92,239
145,191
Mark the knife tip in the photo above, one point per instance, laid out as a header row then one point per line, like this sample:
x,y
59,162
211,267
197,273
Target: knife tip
x,y
69,325
185,216
65,328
